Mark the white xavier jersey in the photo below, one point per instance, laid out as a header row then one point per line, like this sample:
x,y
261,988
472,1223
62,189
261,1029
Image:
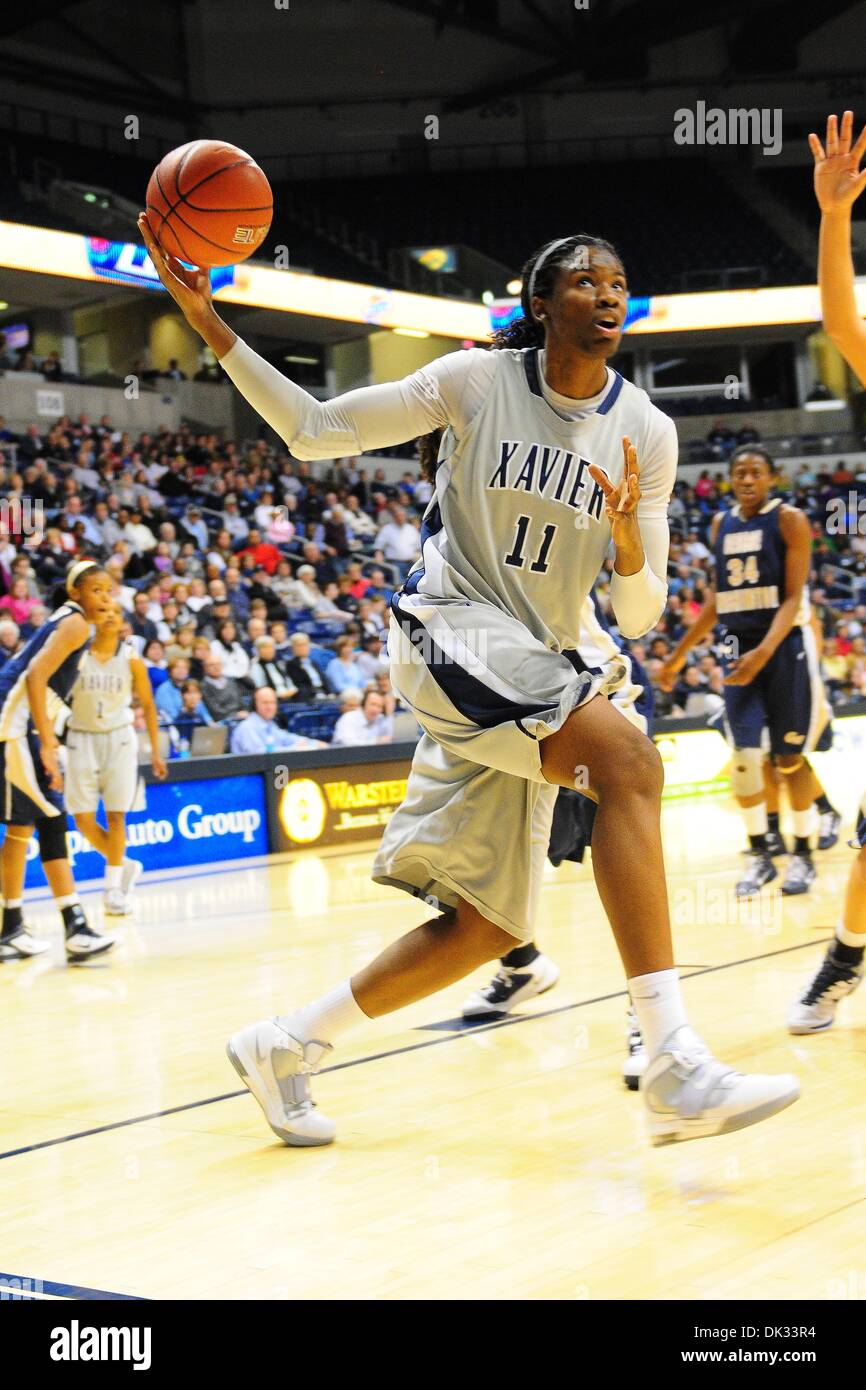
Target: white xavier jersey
x,y
516,520
101,698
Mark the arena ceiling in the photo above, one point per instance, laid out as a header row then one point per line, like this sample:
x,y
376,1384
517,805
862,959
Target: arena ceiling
x,y
193,64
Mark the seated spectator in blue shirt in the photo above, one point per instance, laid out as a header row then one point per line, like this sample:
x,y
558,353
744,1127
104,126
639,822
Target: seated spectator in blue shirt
x,y
367,724
260,733
195,526
193,709
154,660
345,671
378,586
74,513
169,696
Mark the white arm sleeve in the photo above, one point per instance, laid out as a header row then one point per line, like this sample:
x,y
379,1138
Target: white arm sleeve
x,y
372,417
638,600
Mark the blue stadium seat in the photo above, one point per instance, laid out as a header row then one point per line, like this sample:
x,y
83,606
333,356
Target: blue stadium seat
x,y
313,721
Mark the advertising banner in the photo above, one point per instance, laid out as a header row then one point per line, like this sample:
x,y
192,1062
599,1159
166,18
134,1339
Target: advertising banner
x,y
336,805
189,823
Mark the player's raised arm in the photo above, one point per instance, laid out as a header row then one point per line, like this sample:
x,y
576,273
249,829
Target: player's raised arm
x,y
372,417
838,184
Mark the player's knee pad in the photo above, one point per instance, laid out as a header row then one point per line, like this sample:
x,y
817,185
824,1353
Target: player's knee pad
x,y
747,772
52,838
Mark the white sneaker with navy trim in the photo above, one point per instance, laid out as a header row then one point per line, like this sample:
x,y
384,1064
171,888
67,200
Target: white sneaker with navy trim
x,y
510,986
21,946
85,943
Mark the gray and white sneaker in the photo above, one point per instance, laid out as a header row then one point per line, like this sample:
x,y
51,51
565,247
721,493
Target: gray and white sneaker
x,y
21,946
114,904
510,986
814,1010
799,876
690,1095
276,1068
636,1062
130,872
760,869
85,943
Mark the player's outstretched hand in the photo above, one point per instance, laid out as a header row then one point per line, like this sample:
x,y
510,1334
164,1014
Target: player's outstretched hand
x,y
620,502
838,181
190,289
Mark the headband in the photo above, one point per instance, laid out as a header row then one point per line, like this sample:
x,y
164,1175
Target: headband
x,y
77,571
545,256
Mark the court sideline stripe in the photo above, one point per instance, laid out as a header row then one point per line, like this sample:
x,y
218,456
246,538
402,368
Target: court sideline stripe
x,y
12,1285
466,1032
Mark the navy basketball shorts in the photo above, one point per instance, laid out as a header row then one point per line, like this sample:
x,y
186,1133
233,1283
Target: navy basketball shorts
x,y
786,697
25,795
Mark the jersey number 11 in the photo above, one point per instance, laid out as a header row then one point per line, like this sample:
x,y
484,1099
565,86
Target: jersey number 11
x,y
516,557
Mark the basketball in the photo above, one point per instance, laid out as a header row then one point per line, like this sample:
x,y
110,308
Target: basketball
x,y
209,203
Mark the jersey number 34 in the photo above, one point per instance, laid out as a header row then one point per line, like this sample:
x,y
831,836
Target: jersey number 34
x,y
743,572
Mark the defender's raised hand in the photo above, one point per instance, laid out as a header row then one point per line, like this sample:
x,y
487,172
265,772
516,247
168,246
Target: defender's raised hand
x,y
838,180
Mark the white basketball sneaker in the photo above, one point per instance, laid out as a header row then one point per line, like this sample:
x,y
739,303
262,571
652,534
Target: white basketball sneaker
x,y
83,943
130,872
510,986
814,1010
115,904
21,946
690,1095
276,1068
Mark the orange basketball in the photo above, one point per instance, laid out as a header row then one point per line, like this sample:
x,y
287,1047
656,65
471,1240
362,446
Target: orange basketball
x,y
209,203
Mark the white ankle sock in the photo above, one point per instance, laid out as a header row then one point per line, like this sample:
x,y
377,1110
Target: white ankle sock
x,y
112,876
327,1018
659,1007
805,822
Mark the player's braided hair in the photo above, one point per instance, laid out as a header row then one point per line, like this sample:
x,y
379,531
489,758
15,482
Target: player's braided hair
x,y
538,277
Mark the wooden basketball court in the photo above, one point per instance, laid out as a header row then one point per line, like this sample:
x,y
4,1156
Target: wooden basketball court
x,y
496,1161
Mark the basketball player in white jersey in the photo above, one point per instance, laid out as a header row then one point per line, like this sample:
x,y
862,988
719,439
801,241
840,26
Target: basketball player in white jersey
x,y
838,183
102,752
536,475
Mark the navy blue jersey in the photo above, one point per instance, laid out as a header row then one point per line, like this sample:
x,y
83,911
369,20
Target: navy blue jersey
x,y
750,570
14,707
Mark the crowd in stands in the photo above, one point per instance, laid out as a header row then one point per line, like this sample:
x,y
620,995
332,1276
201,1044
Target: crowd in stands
x,y
258,594
50,367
